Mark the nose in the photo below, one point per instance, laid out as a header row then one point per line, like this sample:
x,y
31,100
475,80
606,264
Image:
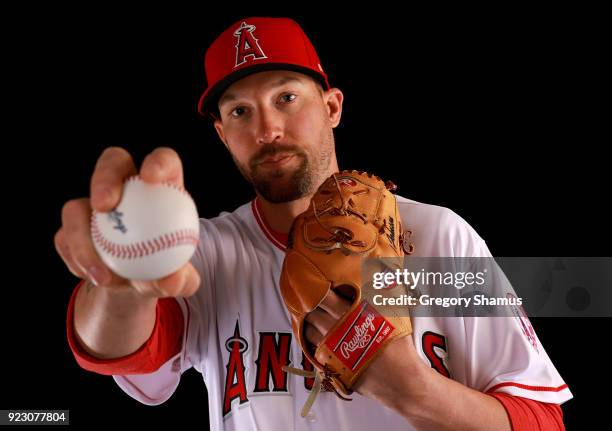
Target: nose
x,y
269,128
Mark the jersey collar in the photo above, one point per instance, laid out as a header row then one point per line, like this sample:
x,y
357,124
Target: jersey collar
x,y
278,239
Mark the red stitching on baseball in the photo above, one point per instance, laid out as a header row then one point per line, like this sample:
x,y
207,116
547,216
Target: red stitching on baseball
x,y
143,248
148,247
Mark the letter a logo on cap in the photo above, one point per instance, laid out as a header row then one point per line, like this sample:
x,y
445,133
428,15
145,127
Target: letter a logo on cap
x,y
247,45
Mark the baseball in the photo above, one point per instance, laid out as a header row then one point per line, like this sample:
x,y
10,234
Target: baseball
x,y
151,233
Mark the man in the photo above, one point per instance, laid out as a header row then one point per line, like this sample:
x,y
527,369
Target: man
x,y
223,314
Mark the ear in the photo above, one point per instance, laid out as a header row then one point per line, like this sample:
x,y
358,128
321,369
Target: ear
x,y
333,99
220,132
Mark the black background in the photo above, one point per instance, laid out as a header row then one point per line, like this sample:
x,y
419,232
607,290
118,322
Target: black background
x,y
496,114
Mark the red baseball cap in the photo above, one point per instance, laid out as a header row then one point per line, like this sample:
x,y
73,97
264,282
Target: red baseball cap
x,y
254,45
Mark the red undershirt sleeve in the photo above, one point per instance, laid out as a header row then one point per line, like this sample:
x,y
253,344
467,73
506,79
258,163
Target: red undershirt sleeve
x,y
164,343
530,415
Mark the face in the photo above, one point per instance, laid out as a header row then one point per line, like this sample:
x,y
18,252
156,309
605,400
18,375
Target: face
x,y
278,127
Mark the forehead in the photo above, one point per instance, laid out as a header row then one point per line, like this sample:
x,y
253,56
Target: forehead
x,y
263,81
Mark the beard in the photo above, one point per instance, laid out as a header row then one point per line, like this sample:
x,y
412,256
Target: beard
x,y
288,184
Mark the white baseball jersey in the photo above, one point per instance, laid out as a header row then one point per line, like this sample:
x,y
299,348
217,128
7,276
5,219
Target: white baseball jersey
x,y
238,334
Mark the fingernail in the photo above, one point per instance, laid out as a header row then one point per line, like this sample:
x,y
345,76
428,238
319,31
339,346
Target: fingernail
x,y
98,275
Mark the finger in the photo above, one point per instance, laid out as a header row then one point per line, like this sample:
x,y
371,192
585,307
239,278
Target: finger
x,y
335,305
112,168
162,165
313,335
76,216
64,252
321,320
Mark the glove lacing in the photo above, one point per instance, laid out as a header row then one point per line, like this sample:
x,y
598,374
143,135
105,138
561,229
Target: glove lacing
x,y
340,235
322,381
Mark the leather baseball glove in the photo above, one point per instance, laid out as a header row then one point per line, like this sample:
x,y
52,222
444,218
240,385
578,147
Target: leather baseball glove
x,y
352,217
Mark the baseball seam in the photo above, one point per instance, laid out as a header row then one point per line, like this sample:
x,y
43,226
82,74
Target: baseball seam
x,y
143,248
149,247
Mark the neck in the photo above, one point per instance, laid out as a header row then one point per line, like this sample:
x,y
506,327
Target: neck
x,y
280,216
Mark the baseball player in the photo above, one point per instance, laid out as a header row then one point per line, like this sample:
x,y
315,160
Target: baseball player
x,y
223,312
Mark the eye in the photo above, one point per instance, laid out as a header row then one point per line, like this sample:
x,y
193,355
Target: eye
x,y
237,112
288,98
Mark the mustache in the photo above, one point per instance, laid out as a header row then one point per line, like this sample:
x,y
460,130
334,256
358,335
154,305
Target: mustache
x,y
272,150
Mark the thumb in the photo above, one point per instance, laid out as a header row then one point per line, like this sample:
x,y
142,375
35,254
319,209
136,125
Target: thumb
x,y
183,282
